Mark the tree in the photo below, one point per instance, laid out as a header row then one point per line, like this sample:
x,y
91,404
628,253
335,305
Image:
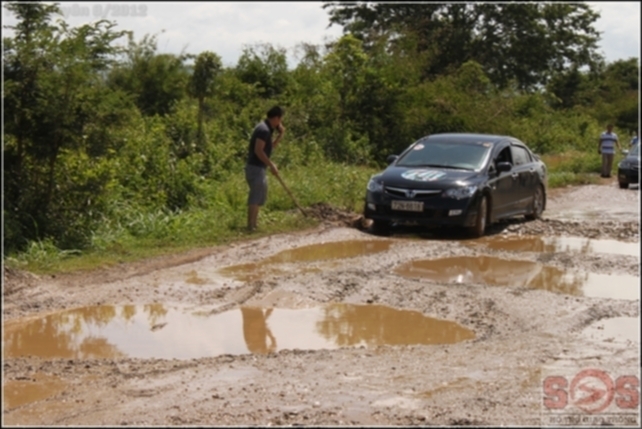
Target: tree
x,y
54,93
206,70
267,68
523,41
155,81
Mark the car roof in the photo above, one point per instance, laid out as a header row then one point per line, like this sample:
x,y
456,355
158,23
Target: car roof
x,y
467,138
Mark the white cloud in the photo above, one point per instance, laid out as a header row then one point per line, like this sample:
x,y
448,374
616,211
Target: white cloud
x,y
619,24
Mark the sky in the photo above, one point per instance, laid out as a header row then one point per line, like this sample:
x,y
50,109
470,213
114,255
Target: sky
x,y
226,28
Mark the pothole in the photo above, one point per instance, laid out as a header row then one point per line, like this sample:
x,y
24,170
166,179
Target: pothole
x,y
493,271
615,329
312,253
154,331
558,244
23,391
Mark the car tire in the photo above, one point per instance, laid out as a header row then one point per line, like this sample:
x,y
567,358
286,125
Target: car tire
x,y
538,204
481,220
381,227
623,185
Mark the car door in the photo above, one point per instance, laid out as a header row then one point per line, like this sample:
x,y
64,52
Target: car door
x,y
524,175
504,191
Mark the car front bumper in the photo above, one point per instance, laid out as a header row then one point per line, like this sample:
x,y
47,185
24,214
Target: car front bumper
x,y
628,175
437,211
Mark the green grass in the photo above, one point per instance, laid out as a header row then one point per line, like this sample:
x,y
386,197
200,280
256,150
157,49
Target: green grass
x,y
576,168
218,217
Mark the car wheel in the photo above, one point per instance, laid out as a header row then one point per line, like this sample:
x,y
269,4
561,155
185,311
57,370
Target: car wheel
x,y
482,215
538,205
381,227
624,185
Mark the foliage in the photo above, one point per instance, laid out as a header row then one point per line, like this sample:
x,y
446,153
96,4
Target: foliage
x,y
524,41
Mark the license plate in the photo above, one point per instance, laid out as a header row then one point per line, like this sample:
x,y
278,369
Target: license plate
x,y
409,206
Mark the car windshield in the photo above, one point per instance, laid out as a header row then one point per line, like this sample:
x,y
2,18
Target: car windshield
x,y
451,154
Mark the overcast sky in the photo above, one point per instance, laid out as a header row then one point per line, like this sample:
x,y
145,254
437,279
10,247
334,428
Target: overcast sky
x,y
226,27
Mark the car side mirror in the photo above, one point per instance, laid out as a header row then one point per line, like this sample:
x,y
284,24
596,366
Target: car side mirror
x,y
504,166
392,158
625,152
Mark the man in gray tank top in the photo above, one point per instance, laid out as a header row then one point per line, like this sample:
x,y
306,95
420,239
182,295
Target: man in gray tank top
x,y
258,160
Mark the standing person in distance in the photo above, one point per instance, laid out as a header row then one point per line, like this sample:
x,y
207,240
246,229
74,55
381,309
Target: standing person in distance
x,y
634,140
258,160
606,147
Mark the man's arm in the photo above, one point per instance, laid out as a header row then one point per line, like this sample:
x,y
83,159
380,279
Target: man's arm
x,y
259,147
281,130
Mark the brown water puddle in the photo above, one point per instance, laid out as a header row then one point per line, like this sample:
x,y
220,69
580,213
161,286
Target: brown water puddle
x,y
311,253
558,244
494,271
153,331
41,386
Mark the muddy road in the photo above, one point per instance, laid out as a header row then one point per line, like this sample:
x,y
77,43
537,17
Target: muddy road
x,y
336,326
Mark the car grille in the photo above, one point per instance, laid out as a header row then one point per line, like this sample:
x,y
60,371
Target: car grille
x,y
411,193
426,214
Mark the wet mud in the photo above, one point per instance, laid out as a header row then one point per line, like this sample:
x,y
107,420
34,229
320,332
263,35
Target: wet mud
x,y
338,326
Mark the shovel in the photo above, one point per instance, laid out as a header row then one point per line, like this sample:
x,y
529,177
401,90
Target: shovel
x,y
290,194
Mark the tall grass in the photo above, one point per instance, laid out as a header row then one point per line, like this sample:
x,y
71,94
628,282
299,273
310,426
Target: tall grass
x,y
131,232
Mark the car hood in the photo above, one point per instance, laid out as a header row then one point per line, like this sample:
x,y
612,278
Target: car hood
x,y
428,177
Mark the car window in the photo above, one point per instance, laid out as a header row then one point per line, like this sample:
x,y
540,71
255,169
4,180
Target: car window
x,y
450,154
520,155
504,156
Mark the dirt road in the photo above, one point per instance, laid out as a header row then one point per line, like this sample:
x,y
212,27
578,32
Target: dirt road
x,y
336,326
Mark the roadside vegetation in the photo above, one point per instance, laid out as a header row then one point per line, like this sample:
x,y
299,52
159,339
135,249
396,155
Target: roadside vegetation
x,y
117,152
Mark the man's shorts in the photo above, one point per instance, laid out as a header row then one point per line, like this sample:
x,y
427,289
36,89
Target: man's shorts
x,y
257,180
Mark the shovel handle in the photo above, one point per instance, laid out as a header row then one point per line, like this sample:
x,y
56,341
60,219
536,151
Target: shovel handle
x,y
290,194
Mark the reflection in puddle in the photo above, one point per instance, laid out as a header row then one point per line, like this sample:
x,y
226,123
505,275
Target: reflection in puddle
x,y
152,331
559,244
16,393
312,253
616,329
525,274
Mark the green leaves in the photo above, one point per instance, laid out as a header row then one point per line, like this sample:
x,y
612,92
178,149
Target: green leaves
x,y
525,41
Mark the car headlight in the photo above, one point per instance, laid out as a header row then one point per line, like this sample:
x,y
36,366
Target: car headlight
x,y
375,184
626,164
460,193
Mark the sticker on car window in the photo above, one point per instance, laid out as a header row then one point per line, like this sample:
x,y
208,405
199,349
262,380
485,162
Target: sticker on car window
x,y
418,147
423,175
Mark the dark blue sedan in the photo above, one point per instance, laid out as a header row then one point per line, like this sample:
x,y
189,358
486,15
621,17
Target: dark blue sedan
x,y
628,170
466,180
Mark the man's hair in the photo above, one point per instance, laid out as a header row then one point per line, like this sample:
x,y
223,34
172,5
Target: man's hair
x,y
276,111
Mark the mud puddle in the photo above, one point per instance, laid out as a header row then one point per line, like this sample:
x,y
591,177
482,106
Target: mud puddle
x,y
154,331
312,253
40,386
493,271
616,329
558,244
